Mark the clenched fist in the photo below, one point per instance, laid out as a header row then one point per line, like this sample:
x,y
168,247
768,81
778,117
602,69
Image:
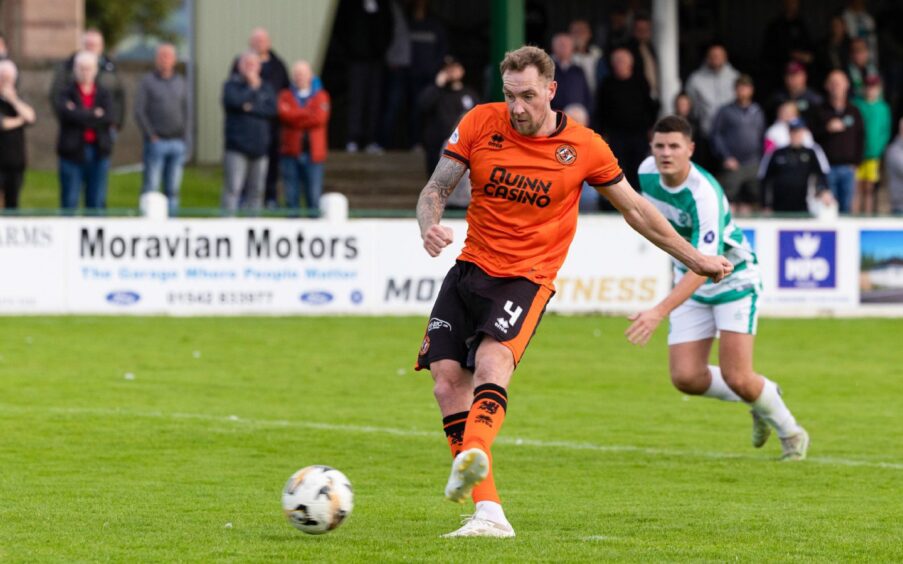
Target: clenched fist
x,y
436,238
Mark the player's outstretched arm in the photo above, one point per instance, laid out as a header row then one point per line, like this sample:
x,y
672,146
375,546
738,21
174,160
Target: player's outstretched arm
x,y
644,323
431,204
648,222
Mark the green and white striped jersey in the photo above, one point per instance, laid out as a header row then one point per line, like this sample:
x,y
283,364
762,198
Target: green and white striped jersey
x,y
699,211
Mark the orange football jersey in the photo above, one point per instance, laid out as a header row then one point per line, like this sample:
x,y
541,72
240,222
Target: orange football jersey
x,y
525,191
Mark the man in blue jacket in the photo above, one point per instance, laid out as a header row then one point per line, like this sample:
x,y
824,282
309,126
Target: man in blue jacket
x,y
250,105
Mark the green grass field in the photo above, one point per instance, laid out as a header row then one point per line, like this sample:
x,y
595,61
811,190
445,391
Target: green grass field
x,y
599,458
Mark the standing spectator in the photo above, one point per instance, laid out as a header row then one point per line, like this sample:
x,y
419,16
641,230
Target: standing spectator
x,y
161,111
861,66
787,173
572,85
304,112
834,50
274,73
429,46
107,77
876,120
860,24
893,162
250,105
712,86
84,109
796,90
398,70
777,136
683,107
588,56
440,106
15,115
4,52
737,132
839,131
365,34
645,59
626,111
787,40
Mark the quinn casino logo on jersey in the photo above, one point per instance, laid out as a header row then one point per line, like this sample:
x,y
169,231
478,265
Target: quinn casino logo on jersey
x,y
566,154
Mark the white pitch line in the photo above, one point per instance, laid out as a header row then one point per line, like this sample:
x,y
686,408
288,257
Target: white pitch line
x,y
370,429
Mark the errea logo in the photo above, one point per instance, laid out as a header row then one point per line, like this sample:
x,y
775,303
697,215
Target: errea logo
x,y
496,140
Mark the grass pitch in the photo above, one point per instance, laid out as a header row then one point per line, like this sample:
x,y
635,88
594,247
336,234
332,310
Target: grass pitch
x,y
166,439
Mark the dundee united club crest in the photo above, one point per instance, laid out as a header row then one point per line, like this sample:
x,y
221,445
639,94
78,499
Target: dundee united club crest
x,y
566,154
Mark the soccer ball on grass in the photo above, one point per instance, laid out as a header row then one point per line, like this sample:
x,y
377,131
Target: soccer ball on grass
x,y
317,499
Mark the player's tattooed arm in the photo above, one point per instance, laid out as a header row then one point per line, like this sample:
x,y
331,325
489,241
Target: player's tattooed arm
x,y
432,201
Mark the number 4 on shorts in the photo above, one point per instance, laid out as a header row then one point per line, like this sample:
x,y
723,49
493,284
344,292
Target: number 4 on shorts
x,y
514,313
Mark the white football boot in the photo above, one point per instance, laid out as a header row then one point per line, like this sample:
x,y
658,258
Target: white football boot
x,y
474,526
469,468
760,430
795,446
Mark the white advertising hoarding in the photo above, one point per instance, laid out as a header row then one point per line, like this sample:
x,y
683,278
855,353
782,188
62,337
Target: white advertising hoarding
x,y
218,266
297,267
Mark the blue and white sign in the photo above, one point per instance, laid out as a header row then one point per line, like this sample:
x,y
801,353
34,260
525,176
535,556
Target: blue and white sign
x,y
807,259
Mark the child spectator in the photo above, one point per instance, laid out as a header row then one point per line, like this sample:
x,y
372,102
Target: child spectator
x,y
876,120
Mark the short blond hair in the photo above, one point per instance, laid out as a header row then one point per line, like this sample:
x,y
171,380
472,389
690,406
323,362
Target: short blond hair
x,y
526,56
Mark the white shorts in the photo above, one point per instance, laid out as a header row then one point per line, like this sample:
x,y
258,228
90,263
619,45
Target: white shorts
x,y
695,321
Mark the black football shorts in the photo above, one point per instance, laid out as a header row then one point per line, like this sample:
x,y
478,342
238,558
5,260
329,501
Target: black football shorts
x,y
471,304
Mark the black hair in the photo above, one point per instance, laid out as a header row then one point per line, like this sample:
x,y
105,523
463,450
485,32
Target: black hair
x,y
673,124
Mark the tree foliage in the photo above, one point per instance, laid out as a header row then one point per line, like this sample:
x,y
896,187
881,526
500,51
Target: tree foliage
x,y
116,18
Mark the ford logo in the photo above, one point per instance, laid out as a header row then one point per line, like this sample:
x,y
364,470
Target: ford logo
x,y
317,297
123,298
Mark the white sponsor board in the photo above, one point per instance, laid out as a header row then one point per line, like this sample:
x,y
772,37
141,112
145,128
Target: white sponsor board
x,y
32,254
609,268
296,267
807,267
218,266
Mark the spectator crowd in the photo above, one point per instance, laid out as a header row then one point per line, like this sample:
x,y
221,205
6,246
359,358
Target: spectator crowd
x,y
781,142
275,126
811,129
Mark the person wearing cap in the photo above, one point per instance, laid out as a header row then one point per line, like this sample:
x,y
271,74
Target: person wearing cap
x,y
876,119
737,133
787,173
796,90
440,106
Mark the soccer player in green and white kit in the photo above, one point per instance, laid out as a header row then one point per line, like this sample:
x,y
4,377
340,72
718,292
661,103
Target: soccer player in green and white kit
x,y
699,309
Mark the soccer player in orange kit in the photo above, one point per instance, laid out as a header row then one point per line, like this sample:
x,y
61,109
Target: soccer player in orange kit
x,y
527,167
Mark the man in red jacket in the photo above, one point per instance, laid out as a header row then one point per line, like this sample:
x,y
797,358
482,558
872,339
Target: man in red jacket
x,y
304,114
